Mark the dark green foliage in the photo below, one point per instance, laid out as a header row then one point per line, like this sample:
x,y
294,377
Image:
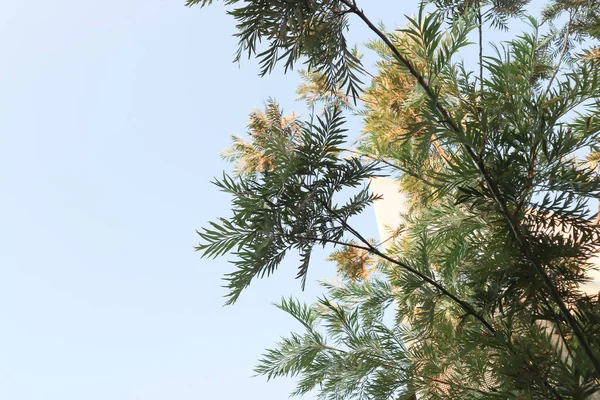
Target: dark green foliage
x,y
313,29
291,207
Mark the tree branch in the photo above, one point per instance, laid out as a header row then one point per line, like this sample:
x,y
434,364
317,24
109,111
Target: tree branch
x,y
373,250
480,31
461,386
561,56
395,166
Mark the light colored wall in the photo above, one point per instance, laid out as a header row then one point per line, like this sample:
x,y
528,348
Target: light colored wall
x,y
387,214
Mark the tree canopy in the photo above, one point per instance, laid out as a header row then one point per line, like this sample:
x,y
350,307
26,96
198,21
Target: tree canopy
x,y
477,295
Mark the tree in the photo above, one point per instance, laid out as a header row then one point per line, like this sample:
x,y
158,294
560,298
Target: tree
x,y
483,277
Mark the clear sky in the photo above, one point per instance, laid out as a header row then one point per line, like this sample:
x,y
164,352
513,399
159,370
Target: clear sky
x,y
112,117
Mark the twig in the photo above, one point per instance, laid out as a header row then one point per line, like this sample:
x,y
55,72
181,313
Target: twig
x,y
372,249
480,30
562,55
461,386
395,166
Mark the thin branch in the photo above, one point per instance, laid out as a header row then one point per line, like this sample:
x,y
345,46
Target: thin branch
x,y
534,152
530,174
461,386
570,357
395,166
382,363
393,236
339,242
373,250
480,31
439,149
325,347
547,384
562,55
404,61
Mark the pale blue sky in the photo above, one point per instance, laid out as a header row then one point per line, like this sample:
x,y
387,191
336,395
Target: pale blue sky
x,y
112,117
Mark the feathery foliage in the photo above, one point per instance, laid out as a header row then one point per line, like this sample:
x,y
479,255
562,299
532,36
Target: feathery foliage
x,y
290,207
478,295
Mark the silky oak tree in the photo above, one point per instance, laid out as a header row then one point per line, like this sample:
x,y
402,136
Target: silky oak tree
x,y
477,294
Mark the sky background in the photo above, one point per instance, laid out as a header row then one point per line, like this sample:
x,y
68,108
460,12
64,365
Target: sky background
x,y
112,118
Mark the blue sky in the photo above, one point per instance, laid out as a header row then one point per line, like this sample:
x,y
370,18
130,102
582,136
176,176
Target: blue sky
x,y
113,115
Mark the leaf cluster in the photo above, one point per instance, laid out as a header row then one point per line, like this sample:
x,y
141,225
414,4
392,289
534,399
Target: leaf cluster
x,y
293,30
290,207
